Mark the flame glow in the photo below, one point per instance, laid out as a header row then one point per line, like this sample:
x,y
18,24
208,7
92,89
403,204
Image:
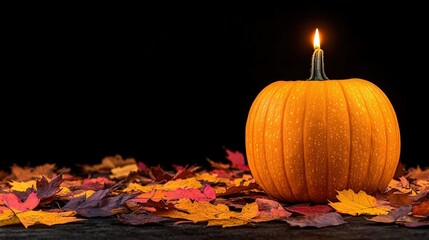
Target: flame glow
x,y
316,41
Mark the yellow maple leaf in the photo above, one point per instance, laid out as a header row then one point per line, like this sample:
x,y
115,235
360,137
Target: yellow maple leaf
x,y
197,211
191,182
214,214
124,171
248,212
32,217
7,217
22,186
358,204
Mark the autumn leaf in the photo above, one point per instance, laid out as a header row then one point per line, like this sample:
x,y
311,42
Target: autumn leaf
x,y
47,189
108,163
358,204
17,205
22,186
246,215
308,210
30,218
123,171
317,220
207,193
30,173
393,215
270,210
141,219
237,159
99,204
7,217
213,214
421,209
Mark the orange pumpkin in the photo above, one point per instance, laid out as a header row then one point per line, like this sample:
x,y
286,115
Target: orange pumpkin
x,y
306,139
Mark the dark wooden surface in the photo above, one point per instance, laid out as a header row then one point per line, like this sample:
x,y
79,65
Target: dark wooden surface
x,y
111,228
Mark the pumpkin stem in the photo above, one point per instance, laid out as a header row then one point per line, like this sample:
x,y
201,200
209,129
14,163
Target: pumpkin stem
x,y
317,66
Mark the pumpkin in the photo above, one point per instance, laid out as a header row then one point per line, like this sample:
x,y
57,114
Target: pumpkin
x,y
307,139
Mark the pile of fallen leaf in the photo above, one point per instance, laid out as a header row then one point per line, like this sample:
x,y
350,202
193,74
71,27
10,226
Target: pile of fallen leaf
x,y
225,195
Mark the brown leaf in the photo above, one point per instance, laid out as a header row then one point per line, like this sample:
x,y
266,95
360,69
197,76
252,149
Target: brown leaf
x,y
30,173
238,189
270,210
47,189
393,215
141,219
317,221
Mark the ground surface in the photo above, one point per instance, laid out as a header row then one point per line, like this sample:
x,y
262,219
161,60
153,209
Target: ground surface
x,y
111,228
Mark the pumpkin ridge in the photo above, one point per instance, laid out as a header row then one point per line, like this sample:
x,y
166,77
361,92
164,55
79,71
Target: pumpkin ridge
x,y
328,170
370,157
273,93
255,108
386,125
350,134
303,148
282,137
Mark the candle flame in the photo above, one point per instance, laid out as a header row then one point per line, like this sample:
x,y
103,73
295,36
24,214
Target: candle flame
x,y
316,39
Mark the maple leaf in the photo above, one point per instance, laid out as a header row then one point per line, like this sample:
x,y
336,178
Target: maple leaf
x,y
16,205
238,189
308,210
123,171
246,215
393,215
47,189
417,173
108,163
140,219
22,186
213,214
186,172
358,204
7,217
159,175
30,173
29,218
98,204
207,193
270,210
317,220
97,183
421,209
237,159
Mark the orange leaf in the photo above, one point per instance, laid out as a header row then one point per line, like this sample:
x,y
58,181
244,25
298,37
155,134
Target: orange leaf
x,y
47,218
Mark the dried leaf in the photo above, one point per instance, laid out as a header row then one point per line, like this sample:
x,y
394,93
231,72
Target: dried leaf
x,y
270,210
7,217
14,203
30,173
317,221
358,204
421,209
123,171
308,210
237,159
22,186
140,219
30,218
393,215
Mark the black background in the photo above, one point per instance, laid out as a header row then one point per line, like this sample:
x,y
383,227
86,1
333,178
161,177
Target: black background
x,y
172,83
